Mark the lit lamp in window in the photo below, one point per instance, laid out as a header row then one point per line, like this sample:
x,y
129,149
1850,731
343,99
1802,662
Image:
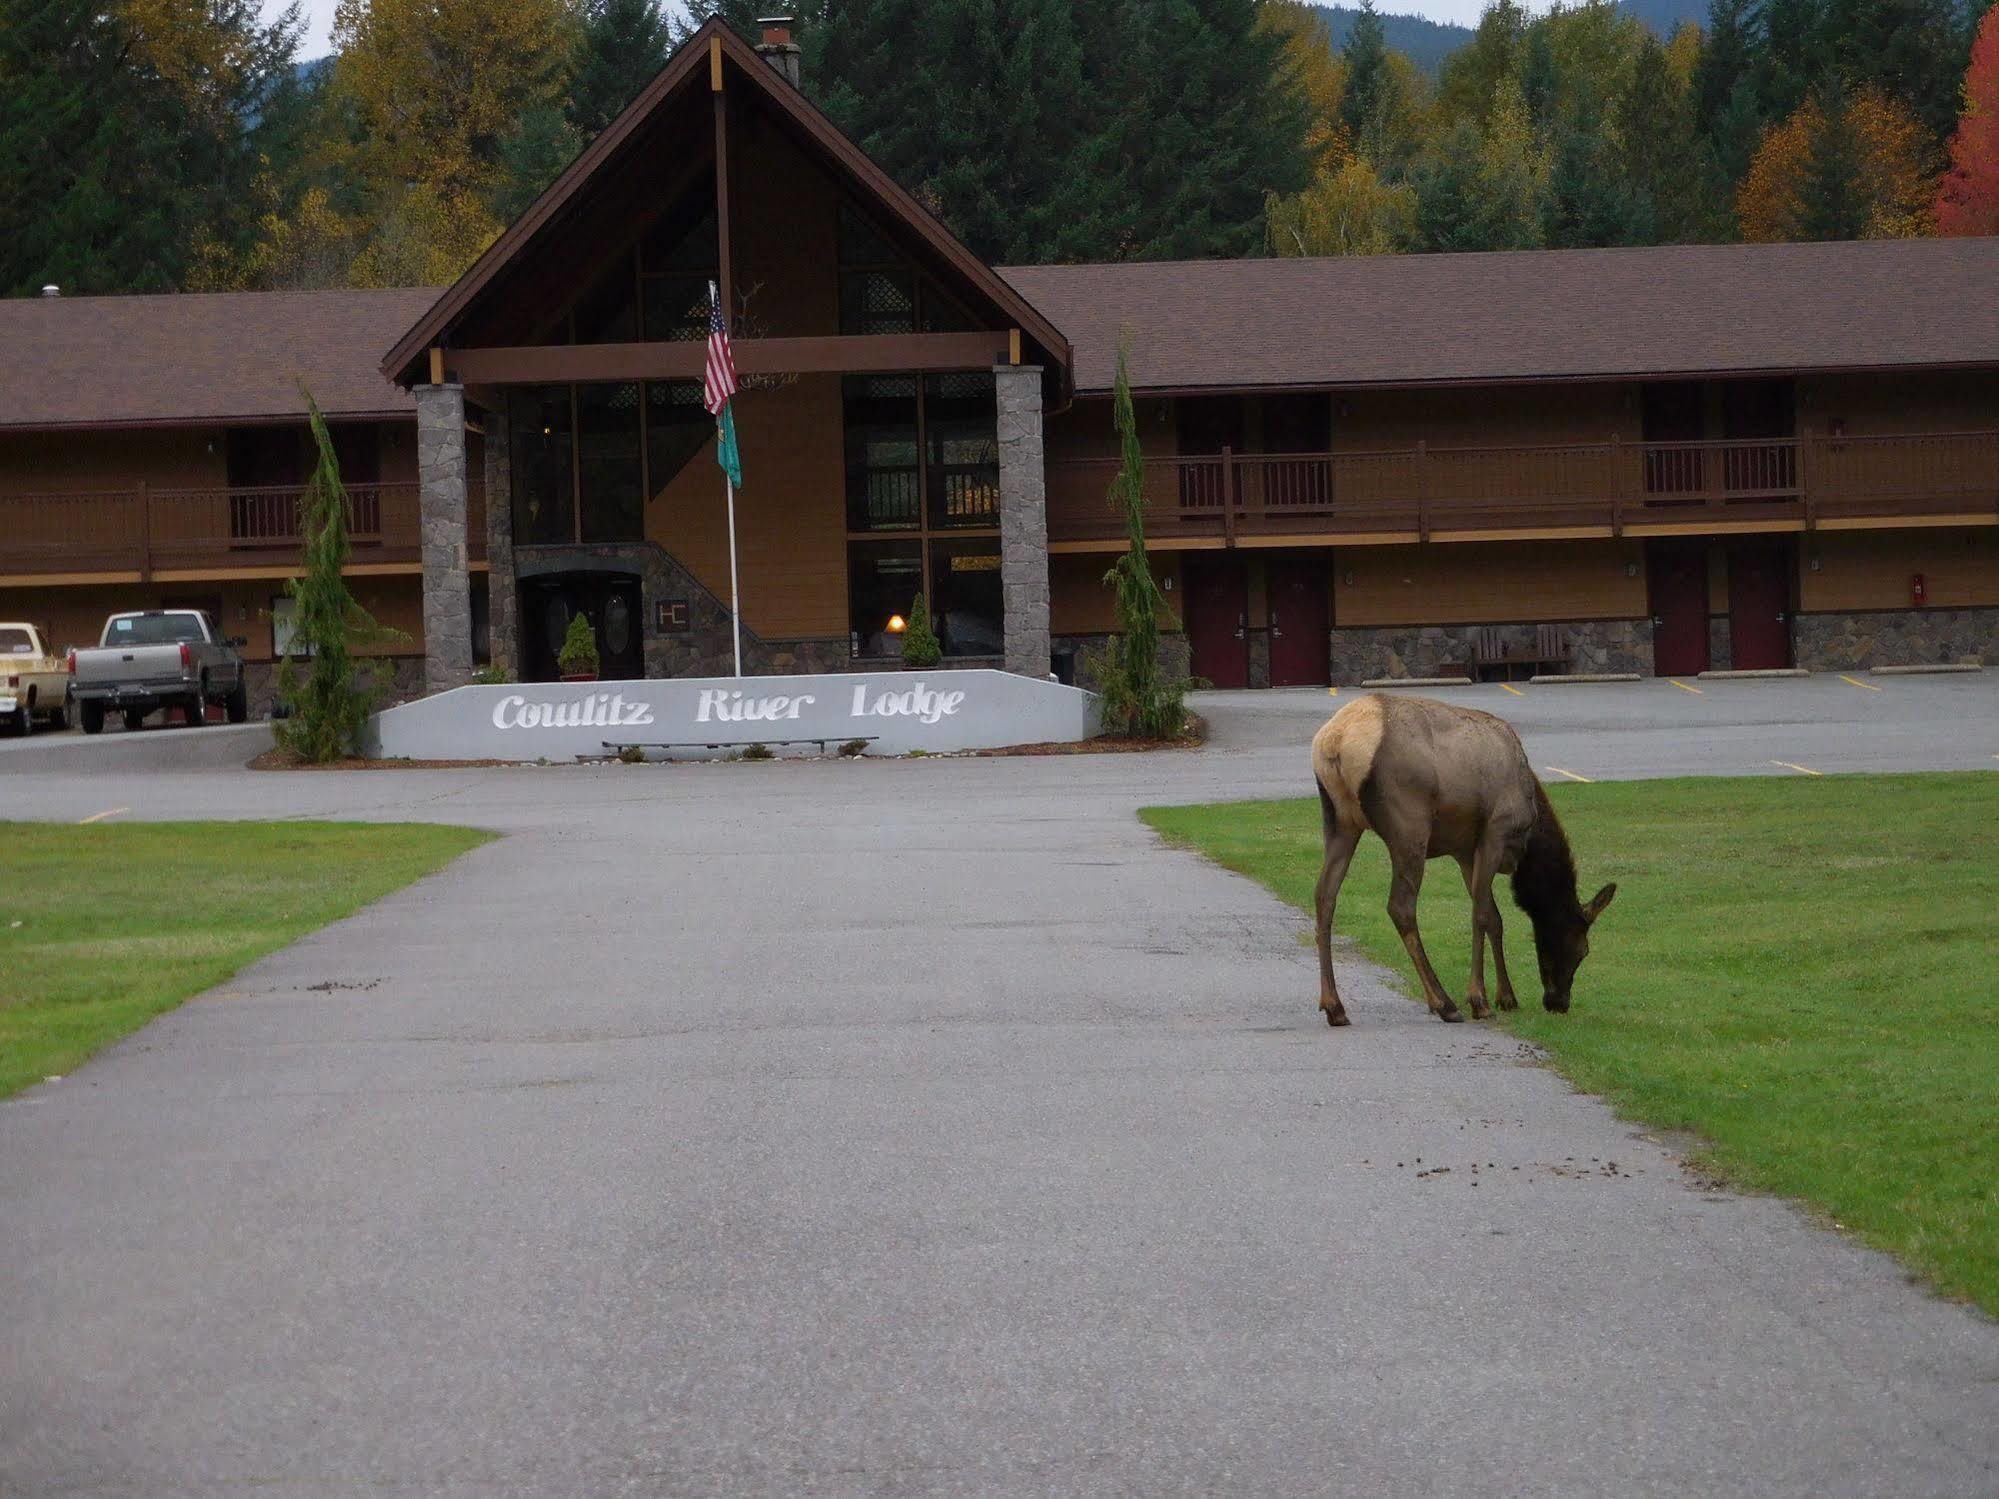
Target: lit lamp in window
x,y
896,624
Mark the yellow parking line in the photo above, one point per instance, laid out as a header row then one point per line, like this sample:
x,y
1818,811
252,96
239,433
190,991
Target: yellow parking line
x,y
1332,692
1868,685
1684,687
1557,770
107,812
1802,770
1512,689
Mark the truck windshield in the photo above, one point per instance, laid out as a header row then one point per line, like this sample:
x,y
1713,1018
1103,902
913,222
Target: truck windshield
x,y
16,642
153,629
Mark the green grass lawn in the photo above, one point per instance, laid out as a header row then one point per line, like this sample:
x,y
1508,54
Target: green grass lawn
x,y
104,927
1801,971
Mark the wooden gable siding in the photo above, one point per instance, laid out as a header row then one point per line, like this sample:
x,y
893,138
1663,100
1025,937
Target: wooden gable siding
x,y
791,514
1080,602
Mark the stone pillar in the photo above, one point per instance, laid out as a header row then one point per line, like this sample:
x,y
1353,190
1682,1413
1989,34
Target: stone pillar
x,y
502,592
1023,484
447,578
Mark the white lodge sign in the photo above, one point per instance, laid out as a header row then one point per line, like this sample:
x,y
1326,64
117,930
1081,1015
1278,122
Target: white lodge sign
x,y
899,711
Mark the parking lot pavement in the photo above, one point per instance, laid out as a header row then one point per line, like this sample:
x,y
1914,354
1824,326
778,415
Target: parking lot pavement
x,y
1663,727
916,1126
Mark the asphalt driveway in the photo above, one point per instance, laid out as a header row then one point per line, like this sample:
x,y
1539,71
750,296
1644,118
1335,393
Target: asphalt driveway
x,y
908,1127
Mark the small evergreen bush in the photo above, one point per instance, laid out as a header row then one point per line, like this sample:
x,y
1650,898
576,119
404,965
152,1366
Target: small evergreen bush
x,y
579,647
920,647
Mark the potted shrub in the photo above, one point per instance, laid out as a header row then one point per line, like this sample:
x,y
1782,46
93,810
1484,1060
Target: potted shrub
x,y
578,659
920,650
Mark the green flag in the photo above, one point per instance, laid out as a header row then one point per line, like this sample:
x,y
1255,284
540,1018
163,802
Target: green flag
x,y
726,452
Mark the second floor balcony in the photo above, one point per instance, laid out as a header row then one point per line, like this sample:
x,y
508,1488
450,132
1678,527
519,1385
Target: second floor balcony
x,y
1593,489
144,531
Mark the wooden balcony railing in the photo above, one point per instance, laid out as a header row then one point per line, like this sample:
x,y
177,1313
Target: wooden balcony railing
x,y
147,530
1611,487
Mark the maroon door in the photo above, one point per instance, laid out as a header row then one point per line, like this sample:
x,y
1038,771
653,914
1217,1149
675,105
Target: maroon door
x,y
1677,578
1759,605
1300,647
1217,606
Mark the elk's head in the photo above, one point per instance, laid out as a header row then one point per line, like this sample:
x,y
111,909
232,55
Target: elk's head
x,y
1561,942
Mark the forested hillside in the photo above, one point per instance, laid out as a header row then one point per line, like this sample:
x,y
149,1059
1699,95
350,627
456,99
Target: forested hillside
x,y
148,146
1425,43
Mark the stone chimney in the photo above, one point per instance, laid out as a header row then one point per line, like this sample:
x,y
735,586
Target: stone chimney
x,y
777,48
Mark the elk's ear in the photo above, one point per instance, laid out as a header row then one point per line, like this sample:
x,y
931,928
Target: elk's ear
x,y
1601,899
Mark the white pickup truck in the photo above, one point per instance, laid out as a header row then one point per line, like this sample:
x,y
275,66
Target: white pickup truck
x,y
34,681
159,658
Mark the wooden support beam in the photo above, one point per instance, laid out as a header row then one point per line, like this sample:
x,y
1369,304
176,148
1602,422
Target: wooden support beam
x,y
1013,346
554,364
722,249
715,64
436,365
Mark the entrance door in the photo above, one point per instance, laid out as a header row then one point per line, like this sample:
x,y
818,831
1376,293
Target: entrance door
x,y
612,602
1676,574
1217,622
1759,605
1300,646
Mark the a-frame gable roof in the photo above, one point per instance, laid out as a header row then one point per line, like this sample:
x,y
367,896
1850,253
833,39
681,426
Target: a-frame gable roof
x,y
689,68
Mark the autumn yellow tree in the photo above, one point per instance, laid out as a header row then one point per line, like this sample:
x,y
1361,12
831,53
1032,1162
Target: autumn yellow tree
x,y
1842,166
1350,211
1319,74
437,87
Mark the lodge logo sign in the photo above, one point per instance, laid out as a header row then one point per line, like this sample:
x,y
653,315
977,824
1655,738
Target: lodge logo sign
x,y
892,712
601,710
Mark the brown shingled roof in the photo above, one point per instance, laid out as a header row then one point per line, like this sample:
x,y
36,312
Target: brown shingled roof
x,y
232,356
1553,314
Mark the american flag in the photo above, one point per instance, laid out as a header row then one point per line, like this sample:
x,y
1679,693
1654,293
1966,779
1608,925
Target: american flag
x,y
718,384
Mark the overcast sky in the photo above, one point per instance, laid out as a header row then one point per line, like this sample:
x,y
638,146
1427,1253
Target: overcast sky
x,y
319,17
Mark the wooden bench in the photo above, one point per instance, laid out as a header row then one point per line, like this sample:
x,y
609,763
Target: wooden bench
x,y
617,746
1550,653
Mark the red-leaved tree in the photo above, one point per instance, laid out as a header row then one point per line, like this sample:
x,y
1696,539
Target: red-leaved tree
x,y
1968,196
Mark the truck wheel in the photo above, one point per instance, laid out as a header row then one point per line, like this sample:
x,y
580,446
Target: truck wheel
x,y
195,709
238,702
134,720
93,718
58,718
24,719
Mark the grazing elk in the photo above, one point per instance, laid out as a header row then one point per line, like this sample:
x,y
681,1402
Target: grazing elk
x,y
1430,779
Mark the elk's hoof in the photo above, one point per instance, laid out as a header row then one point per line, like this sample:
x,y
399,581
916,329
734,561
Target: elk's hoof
x,y
1480,1010
1555,1006
1507,1002
1450,1014
1336,1017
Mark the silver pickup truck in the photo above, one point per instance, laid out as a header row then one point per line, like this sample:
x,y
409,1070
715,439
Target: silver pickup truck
x,y
159,658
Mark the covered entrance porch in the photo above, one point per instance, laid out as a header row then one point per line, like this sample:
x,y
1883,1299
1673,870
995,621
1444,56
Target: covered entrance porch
x,y
889,414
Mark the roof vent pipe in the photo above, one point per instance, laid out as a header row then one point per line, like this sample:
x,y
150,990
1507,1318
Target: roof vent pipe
x,y
777,48
52,290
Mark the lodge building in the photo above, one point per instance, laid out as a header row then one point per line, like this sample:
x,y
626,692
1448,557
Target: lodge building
x,y
1657,460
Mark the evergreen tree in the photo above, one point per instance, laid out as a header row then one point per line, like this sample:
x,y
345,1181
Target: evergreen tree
x,y
1658,153
329,704
1485,191
532,155
1724,61
1138,698
1832,205
1591,201
1368,98
1910,51
1786,56
920,646
624,44
1470,75
128,137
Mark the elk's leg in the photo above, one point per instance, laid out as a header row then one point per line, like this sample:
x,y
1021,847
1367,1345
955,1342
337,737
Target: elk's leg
x,y
1486,922
1475,995
1403,890
1339,852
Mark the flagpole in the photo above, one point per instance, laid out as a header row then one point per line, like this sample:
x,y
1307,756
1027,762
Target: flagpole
x,y
735,604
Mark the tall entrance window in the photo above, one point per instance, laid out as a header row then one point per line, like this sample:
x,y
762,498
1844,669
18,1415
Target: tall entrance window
x,y
585,457
922,465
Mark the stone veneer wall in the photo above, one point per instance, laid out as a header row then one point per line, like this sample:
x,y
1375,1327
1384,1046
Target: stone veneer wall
x,y
706,648
1603,645
503,600
447,574
1173,654
1023,484
1720,643
1896,637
